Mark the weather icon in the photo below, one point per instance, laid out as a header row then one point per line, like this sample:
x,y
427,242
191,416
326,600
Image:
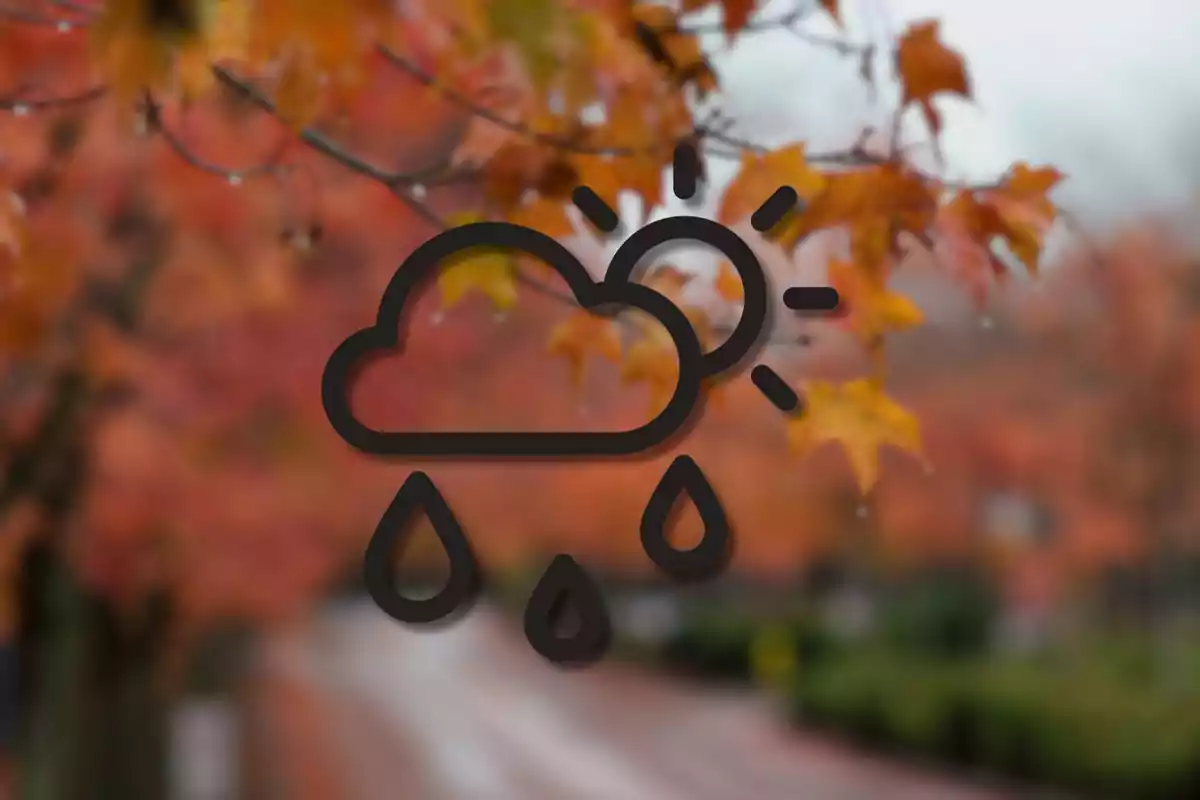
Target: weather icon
x,y
565,585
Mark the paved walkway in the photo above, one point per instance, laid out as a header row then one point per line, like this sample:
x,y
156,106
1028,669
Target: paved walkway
x,y
469,713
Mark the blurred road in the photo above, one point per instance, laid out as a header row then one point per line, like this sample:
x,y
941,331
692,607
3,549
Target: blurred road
x,y
470,713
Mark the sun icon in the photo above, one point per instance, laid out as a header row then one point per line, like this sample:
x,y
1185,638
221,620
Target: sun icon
x,y
627,263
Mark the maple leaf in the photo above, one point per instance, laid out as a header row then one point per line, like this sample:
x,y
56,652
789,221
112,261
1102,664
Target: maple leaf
x,y
833,9
1017,211
544,215
483,270
858,416
298,95
652,360
500,85
634,118
928,68
958,246
737,15
761,175
729,284
875,204
583,333
667,43
135,42
1024,210
873,310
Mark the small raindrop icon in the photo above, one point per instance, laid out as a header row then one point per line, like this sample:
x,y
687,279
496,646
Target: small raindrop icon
x,y
567,598
418,496
707,558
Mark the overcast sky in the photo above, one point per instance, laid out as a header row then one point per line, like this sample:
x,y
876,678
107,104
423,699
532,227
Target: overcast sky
x,y
1106,90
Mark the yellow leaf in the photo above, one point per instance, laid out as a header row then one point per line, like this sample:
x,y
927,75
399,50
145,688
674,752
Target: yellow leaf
x,y
873,309
773,656
298,95
583,333
484,270
761,175
227,29
858,416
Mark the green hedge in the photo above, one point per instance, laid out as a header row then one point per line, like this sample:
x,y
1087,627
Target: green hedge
x,y
1098,718
1028,721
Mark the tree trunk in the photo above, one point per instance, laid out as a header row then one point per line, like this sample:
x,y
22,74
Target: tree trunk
x,y
94,709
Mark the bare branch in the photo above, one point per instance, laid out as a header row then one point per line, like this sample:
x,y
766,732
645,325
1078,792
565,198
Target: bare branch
x,y
16,103
154,122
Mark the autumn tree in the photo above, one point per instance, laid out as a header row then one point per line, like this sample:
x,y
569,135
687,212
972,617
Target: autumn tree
x,y
185,178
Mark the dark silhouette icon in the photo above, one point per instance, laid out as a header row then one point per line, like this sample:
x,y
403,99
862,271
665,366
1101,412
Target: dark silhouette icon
x,y
706,559
417,495
565,591
566,618
386,335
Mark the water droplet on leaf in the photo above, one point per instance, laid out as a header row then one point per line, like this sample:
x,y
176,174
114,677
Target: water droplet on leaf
x,y
566,591
437,318
418,191
235,180
20,110
64,27
710,555
862,512
986,322
419,497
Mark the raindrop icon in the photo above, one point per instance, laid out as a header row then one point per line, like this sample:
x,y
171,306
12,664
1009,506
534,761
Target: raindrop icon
x,y
418,496
707,558
566,619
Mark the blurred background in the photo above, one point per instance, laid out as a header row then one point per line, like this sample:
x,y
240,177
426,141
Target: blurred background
x,y
1019,617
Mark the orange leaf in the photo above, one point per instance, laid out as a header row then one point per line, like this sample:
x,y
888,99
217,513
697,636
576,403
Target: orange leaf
x,y
729,284
298,95
928,68
875,204
546,216
501,85
737,14
832,9
583,333
681,50
761,175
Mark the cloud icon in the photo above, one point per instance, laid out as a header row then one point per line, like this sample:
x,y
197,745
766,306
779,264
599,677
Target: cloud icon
x,y
386,337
